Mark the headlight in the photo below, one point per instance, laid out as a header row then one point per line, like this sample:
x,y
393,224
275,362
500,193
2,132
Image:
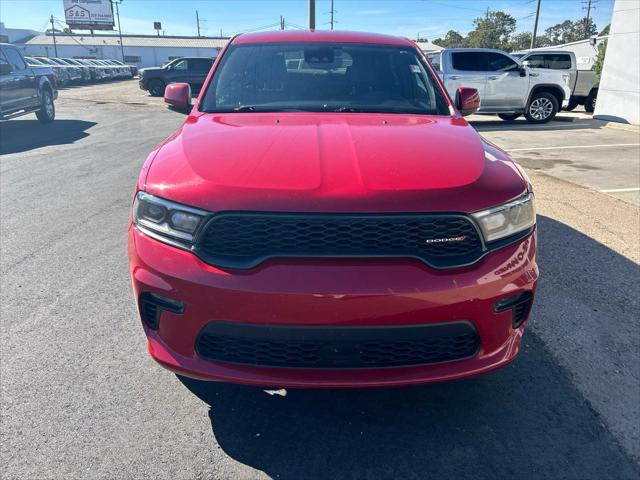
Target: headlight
x,y
166,221
508,219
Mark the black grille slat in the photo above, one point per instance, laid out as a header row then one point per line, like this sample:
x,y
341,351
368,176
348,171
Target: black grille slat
x,y
336,347
243,240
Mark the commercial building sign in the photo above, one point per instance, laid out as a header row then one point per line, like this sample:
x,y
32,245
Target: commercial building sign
x,y
88,14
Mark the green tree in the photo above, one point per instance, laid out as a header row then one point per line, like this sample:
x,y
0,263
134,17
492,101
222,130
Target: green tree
x,y
451,40
599,63
605,30
561,33
492,30
585,28
569,31
522,41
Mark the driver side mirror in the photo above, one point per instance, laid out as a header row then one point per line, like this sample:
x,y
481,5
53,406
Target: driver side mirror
x,y
467,100
523,68
178,96
5,69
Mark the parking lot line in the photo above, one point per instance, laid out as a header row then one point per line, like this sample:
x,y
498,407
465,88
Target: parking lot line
x,y
564,147
621,190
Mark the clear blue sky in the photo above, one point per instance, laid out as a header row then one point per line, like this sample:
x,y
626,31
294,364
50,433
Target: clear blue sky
x,y
429,18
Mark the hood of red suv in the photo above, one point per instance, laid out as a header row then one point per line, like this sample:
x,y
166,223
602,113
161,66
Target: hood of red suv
x,y
326,162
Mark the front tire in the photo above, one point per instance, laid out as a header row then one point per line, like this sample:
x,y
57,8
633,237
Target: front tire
x,y
156,88
590,102
509,117
542,107
47,112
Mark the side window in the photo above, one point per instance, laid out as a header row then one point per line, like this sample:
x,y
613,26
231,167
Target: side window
x,y
470,61
201,65
15,59
3,59
180,65
435,60
558,61
500,63
536,61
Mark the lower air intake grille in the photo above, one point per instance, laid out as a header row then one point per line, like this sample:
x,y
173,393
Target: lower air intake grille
x,y
243,240
337,347
521,310
150,312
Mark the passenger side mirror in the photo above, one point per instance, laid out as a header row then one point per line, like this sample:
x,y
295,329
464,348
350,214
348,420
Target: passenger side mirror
x,y
467,100
5,69
178,96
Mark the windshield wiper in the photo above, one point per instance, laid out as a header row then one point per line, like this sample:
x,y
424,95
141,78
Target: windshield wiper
x,y
244,108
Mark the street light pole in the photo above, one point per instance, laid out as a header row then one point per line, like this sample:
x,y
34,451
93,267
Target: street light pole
x,y
116,3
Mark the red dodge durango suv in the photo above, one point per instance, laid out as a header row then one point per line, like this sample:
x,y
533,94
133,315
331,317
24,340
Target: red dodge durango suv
x,y
326,217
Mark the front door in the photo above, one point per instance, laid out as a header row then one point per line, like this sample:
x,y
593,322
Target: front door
x,y
506,88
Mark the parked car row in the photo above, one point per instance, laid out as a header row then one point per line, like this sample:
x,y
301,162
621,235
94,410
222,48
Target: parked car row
x,y
84,70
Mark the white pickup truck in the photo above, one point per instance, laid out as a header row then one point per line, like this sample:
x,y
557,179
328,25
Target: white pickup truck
x,y
507,88
583,83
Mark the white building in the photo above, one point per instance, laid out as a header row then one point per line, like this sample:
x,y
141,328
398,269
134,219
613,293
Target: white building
x,y
586,50
12,35
619,93
139,50
429,47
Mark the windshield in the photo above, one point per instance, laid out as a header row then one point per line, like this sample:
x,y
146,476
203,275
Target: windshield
x,y
321,77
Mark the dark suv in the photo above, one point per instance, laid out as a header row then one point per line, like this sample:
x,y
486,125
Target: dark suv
x,y
24,88
191,70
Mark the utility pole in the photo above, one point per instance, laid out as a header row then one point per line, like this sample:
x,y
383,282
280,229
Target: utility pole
x,y
332,11
198,22
281,22
587,18
53,32
312,14
116,3
535,26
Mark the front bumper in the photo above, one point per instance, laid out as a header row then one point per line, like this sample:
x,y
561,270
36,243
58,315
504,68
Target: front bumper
x,y
331,293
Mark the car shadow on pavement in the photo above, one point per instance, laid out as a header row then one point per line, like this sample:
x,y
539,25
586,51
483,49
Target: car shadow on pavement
x,y
526,420
19,135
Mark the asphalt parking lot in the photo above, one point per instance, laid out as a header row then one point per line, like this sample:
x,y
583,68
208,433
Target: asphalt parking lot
x,y
81,398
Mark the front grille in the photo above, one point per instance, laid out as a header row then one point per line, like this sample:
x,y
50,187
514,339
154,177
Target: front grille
x,y
336,347
243,240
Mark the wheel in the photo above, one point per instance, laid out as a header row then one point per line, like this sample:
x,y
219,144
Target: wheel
x,y
47,111
156,88
542,107
572,105
590,102
509,117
